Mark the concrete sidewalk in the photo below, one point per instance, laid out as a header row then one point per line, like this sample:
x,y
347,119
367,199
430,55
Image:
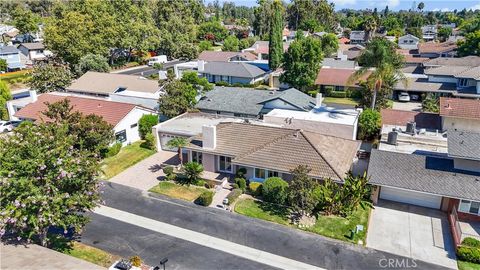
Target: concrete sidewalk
x,y
205,240
35,257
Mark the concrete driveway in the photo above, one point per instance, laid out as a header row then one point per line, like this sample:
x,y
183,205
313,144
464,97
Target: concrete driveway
x,y
407,106
146,173
416,232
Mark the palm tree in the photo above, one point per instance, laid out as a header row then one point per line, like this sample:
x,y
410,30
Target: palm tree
x,y
381,61
178,143
370,27
193,171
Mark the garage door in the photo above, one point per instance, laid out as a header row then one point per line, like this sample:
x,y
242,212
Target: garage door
x,y
410,197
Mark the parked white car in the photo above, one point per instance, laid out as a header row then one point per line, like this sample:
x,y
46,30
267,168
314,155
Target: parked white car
x,y
6,126
404,96
159,59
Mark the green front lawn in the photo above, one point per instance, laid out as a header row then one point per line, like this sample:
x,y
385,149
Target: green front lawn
x,y
468,266
16,79
345,101
330,226
183,192
128,156
91,254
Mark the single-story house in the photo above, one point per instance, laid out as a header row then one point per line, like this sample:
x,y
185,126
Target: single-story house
x,y
349,51
429,32
266,151
231,72
437,49
33,51
20,99
252,103
471,61
460,113
12,56
357,37
408,42
123,117
223,56
118,87
261,49
336,79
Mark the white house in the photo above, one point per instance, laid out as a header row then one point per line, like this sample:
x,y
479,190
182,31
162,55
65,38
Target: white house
x,y
123,117
408,42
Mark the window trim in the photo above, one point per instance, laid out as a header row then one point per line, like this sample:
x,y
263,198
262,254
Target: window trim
x,y
469,203
124,131
231,165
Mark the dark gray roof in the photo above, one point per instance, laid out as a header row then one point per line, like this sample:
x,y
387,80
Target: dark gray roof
x,y
463,144
235,69
250,101
430,174
8,50
357,35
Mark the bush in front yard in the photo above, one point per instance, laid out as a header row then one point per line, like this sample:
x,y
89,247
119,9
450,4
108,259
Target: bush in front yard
x,y
113,150
469,254
275,190
471,242
145,124
241,172
242,183
149,142
205,198
200,183
255,188
233,195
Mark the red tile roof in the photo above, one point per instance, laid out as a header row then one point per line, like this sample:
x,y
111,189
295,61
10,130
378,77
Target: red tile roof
x,y
344,40
111,112
335,76
401,118
460,108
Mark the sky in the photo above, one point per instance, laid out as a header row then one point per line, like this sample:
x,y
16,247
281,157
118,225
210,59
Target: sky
x,y
444,5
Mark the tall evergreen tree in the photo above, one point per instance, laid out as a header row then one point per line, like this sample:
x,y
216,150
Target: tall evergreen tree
x,y
275,50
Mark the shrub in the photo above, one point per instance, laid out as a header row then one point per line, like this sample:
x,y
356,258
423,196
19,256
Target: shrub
x,y
274,190
146,123
235,186
149,142
471,242
136,261
338,94
200,183
113,150
369,124
233,195
209,184
205,198
222,83
255,188
469,254
241,172
193,171
312,93
168,170
242,183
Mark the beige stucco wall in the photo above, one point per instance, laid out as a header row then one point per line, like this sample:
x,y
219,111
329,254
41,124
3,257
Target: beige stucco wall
x,y
208,161
460,124
469,165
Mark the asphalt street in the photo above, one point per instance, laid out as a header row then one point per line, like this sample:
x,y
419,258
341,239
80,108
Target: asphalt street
x,y
147,71
125,239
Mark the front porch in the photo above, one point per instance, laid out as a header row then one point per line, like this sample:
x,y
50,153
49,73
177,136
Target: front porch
x,y
469,229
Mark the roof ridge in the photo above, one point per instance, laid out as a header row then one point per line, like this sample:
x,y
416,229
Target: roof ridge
x,y
91,98
320,154
263,146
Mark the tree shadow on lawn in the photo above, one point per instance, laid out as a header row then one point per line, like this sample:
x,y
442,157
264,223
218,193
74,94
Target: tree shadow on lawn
x,y
274,209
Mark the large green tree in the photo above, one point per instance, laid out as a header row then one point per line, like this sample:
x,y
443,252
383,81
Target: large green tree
x,y
329,44
316,14
301,191
302,62
92,62
51,75
200,84
263,14
471,44
231,44
45,182
381,56
25,20
5,96
212,31
178,98
275,49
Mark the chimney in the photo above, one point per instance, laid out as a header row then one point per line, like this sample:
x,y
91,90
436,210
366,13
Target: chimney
x,y
201,65
209,136
33,95
318,100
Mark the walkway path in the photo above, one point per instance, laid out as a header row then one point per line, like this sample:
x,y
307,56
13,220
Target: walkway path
x,y
205,240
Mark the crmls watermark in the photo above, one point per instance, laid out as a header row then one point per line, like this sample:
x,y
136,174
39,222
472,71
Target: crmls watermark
x,y
397,263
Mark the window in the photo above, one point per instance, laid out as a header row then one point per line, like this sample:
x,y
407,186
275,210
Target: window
x,y
121,136
469,207
197,157
225,164
259,173
272,174
133,125
462,82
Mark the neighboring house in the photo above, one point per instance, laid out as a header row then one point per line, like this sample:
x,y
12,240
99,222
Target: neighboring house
x,y
118,87
223,56
336,79
343,40
261,49
408,42
8,31
338,63
349,51
20,99
292,34
460,113
252,103
357,37
429,32
123,117
437,49
33,51
180,68
266,151
325,120
232,72
12,56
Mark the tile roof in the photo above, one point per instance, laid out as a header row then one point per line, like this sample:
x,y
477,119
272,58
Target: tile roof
x,y
460,108
423,85
436,47
111,112
357,35
108,83
470,73
283,149
471,61
234,69
216,56
250,101
33,46
446,70
430,174
401,118
262,46
463,144
334,63
336,76
8,50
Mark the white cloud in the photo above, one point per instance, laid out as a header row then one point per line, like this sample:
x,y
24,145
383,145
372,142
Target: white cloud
x,y
344,2
393,3
477,6
442,9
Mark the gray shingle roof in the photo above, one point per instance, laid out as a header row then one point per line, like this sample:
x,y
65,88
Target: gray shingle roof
x,y
357,35
435,175
8,50
250,101
463,144
234,69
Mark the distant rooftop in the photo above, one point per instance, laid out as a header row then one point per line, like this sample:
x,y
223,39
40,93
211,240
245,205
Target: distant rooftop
x,y
235,69
460,108
464,144
321,114
471,61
